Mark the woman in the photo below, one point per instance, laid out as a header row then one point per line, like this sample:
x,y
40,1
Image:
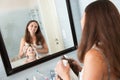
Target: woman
x,y
33,36
99,50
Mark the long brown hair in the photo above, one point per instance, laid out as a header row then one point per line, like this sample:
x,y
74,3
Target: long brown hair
x,y
38,34
102,25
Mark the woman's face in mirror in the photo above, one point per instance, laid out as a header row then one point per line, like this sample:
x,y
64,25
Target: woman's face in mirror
x,y
32,28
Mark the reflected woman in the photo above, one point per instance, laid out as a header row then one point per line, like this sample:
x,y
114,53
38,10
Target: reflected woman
x,y
33,36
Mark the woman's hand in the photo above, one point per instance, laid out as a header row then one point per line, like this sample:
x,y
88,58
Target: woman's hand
x,y
25,49
57,78
75,64
63,71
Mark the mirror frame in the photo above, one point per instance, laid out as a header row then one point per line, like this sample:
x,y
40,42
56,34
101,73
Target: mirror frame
x,y
8,68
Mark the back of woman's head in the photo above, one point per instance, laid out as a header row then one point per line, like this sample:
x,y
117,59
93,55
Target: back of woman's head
x,y
102,25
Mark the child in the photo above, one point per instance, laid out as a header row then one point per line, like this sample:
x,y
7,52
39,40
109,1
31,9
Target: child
x,y
30,54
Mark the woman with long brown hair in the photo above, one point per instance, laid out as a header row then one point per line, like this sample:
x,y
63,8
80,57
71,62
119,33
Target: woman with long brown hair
x,y
99,49
33,36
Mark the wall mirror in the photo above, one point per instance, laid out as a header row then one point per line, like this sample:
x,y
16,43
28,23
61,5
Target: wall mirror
x,y
56,24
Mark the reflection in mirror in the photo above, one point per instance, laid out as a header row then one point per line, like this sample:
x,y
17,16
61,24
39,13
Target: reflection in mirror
x,y
46,16
33,44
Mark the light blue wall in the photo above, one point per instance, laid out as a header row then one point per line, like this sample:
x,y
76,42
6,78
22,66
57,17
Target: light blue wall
x,y
76,17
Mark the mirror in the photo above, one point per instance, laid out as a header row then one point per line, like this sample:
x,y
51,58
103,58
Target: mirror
x,y
55,20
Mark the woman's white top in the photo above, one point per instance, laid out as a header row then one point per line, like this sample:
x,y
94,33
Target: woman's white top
x,y
80,75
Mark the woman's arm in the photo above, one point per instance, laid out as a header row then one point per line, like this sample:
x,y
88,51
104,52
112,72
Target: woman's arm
x,y
20,55
63,71
93,66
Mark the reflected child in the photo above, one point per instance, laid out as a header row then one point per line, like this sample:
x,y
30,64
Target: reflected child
x,y
30,54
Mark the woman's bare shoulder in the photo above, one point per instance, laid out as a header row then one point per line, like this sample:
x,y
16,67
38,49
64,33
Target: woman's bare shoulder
x,y
95,55
93,65
23,39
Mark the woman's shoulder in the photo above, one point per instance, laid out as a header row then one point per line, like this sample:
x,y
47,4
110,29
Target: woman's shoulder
x,y
23,40
94,54
94,65
95,60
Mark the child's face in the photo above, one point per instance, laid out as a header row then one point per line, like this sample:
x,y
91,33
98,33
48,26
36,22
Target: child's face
x,y
30,50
